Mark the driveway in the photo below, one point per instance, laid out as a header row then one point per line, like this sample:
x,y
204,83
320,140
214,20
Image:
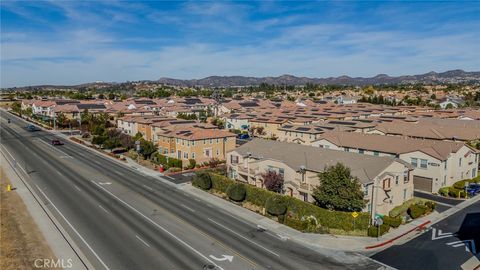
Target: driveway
x,y
442,202
180,178
448,244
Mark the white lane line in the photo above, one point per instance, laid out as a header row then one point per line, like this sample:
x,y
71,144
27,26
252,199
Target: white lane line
x,y
101,207
59,173
73,228
147,187
258,245
15,162
188,208
158,226
77,187
141,240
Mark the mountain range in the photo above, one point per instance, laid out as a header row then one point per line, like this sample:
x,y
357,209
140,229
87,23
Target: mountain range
x,y
451,76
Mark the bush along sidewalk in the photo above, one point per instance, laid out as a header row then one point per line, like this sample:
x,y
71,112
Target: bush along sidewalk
x,y
297,214
457,190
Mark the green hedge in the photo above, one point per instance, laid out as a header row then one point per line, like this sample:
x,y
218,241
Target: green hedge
x,y
443,191
416,210
236,192
276,206
202,180
297,209
172,162
373,230
392,221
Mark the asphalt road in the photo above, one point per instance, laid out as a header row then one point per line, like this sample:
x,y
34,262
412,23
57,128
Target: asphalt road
x,y
447,245
443,203
124,220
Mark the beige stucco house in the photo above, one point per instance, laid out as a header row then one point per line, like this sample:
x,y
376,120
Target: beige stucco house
x,y
436,163
386,181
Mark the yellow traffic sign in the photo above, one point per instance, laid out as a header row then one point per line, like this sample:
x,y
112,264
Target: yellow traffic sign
x,y
354,214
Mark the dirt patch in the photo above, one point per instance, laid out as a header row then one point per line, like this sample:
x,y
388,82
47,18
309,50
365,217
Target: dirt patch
x,y
21,242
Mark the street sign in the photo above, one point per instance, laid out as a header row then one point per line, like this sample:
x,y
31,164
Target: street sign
x,y
354,214
378,221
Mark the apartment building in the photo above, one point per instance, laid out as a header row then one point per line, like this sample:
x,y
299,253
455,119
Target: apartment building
x,y
436,163
386,181
193,142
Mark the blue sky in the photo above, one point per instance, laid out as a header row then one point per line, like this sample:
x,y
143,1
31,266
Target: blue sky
x,y
70,42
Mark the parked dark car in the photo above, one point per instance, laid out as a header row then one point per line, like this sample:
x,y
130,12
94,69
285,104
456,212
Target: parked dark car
x,y
31,127
57,142
243,136
473,189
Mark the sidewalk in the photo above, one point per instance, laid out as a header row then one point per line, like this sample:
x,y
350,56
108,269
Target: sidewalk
x,y
321,241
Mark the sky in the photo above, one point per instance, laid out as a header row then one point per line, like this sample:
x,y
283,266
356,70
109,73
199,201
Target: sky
x,y
72,42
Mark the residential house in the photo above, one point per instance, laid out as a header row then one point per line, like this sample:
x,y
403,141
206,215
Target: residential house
x,y
386,181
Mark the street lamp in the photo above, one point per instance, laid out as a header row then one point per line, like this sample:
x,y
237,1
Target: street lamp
x,y
249,154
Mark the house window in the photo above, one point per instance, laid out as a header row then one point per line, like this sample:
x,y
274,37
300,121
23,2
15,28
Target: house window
x,y
204,141
193,155
347,149
460,162
414,162
304,196
396,180
211,141
360,151
386,183
405,176
234,159
375,153
404,194
423,163
218,152
185,155
193,143
217,140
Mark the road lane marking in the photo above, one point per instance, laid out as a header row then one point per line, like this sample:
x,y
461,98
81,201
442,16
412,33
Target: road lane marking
x,y
147,187
158,226
15,162
468,244
141,240
440,234
232,231
223,258
59,173
77,187
101,207
73,228
188,208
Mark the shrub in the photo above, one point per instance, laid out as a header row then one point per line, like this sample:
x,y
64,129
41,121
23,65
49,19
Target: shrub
x,y
453,192
173,162
430,206
220,183
202,180
443,191
373,230
276,206
86,135
236,192
258,196
299,225
392,221
461,184
191,163
98,140
416,210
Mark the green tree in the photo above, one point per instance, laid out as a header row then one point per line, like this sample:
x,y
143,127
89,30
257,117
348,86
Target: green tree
x,y
61,119
339,190
16,107
147,148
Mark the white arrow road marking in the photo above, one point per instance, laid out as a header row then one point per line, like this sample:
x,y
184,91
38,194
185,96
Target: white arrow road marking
x,y
223,258
440,234
469,245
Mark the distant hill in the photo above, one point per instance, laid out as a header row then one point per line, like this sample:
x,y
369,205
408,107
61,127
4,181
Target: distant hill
x,y
451,76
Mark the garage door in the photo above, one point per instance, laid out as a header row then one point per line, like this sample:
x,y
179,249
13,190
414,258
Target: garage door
x,y
422,183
